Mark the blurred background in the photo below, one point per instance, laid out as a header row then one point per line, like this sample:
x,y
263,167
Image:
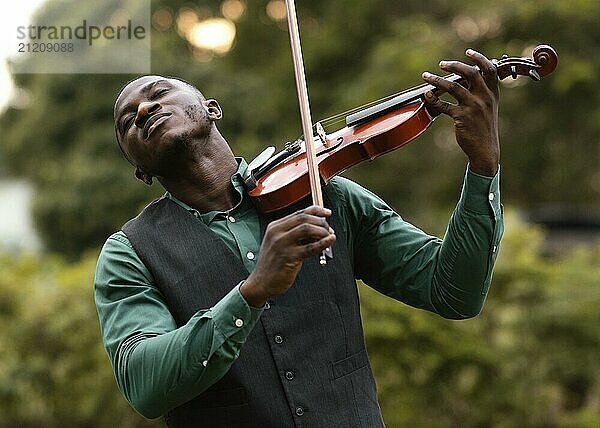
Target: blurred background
x,y
530,359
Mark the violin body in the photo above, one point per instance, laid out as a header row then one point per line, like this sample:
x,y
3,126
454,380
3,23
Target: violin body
x,y
369,133
288,182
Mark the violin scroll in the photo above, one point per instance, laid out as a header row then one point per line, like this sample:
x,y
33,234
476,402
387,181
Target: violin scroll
x,y
546,57
544,62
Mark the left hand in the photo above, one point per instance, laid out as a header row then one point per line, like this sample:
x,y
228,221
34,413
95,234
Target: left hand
x,y
476,114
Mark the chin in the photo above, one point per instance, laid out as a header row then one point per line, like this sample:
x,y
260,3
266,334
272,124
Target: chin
x,y
177,143
173,150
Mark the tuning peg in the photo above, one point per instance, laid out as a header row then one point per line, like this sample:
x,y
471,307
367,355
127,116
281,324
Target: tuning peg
x,y
534,75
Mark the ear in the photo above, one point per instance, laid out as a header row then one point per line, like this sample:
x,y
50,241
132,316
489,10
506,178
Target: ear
x,y
141,175
213,109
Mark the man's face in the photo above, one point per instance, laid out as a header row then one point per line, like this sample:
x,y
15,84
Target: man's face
x,y
155,118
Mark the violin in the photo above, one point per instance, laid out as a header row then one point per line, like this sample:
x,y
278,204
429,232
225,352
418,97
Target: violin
x,y
276,181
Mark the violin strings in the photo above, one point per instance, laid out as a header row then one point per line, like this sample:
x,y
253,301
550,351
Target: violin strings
x,y
340,117
337,117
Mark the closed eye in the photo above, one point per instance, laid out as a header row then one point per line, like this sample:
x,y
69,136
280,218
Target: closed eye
x,y
158,93
127,122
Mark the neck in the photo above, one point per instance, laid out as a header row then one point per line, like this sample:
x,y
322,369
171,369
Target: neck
x,y
204,181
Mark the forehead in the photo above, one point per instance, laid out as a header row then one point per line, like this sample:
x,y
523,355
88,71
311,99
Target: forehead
x,y
139,87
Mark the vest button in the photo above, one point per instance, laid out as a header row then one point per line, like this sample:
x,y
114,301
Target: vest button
x,y
278,339
267,306
289,375
299,411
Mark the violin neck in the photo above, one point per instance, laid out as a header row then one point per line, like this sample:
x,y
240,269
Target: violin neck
x,y
399,100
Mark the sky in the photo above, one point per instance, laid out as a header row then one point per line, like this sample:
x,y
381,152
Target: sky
x,y
13,14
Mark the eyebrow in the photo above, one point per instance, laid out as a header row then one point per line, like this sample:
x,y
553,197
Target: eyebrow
x,y
144,90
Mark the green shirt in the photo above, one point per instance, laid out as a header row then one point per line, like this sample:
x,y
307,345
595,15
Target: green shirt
x,y
159,366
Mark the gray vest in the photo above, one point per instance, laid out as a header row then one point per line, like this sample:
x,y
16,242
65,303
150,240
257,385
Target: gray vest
x,y
304,363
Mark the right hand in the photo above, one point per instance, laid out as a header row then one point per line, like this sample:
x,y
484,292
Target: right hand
x,y
287,242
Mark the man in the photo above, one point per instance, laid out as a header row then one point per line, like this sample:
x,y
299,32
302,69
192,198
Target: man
x,y
215,315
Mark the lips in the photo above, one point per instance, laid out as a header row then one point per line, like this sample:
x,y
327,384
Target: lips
x,y
154,122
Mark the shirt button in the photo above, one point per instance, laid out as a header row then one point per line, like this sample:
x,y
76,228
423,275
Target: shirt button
x,y
250,255
205,363
267,306
231,219
239,322
278,339
299,411
491,196
494,249
289,375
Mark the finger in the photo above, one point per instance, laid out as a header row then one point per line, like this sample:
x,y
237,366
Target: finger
x,y
316,210
470,73
456,90
305,233
316,248
301,217
487,68
311,214
440,106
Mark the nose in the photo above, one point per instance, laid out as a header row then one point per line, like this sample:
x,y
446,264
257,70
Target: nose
x,y
144,111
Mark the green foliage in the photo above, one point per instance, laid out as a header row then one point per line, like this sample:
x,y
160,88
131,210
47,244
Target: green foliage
x,y
53,369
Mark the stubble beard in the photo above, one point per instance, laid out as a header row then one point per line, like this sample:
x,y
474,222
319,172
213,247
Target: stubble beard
x,y
184,147
176,154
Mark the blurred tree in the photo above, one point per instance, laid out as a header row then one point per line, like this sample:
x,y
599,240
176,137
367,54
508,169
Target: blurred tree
x,y
53,369
63,141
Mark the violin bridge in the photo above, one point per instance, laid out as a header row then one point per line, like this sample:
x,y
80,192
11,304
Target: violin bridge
x,y
322,135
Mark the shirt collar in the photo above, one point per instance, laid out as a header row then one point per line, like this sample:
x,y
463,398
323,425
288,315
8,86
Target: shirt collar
x,y
238,185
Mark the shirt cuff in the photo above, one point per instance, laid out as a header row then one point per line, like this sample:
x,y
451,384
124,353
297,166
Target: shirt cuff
x,y
233,316
480,194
